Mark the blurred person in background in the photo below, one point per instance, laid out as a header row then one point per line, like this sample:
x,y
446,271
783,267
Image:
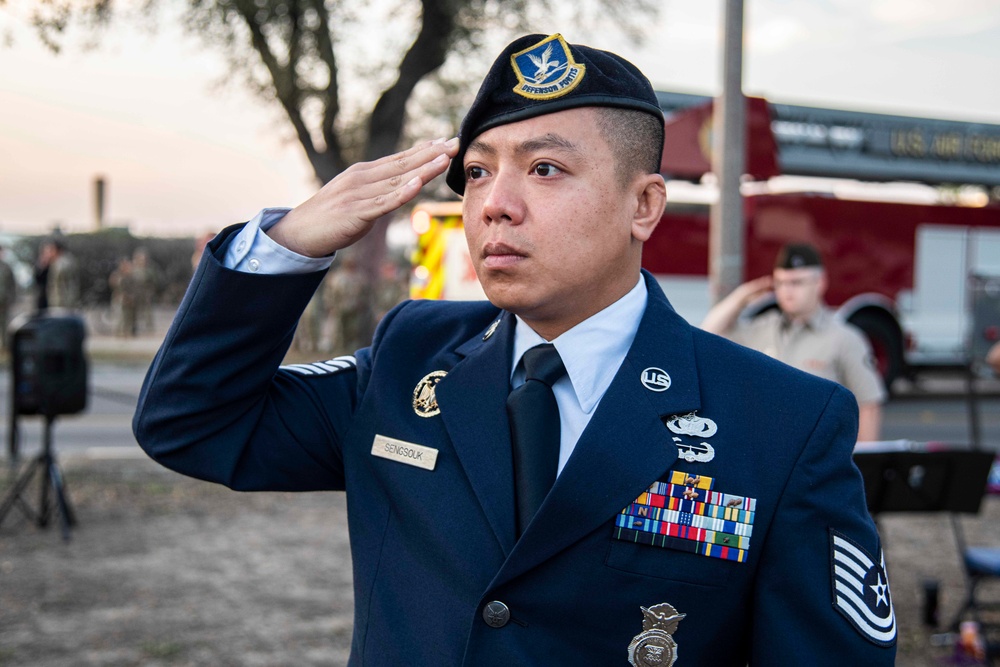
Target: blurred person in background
x,y
8,295
993,358
803,332
344,301
62,286
145,278
124,297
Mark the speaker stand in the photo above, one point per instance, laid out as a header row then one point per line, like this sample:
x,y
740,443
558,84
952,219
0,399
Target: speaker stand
x,y
51,482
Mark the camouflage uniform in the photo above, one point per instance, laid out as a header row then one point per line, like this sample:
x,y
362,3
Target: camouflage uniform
x,y
8,296
345,303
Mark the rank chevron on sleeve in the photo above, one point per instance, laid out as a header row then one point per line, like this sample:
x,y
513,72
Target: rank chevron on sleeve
x,y
861,589
686,514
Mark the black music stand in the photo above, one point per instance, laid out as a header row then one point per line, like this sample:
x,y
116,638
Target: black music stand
x,y
947,480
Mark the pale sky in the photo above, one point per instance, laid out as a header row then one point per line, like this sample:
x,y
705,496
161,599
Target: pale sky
x,y
182,156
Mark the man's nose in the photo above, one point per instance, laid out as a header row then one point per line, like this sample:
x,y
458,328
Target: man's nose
x,y
504,202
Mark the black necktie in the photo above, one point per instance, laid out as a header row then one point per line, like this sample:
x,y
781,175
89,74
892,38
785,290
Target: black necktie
x,y
534,430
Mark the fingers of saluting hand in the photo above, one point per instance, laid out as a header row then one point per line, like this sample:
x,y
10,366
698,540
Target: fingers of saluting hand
x,y
386,184
345,209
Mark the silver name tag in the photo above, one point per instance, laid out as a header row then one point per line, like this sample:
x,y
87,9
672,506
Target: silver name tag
x,y
404,452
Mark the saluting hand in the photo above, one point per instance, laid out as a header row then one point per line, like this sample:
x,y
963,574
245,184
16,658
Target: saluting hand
x,y
345,209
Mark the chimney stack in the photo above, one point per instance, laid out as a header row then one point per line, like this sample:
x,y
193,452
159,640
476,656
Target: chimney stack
x,y
99,203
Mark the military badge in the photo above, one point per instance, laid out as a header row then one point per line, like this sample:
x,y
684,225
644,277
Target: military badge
x,y
492,329
655,379
546,70
694,452
424,401
861,590
655,646
692,425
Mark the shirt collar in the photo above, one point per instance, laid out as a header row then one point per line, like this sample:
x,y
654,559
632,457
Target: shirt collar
x,y
593,350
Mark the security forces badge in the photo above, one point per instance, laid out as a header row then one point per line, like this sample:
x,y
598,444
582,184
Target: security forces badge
x,y
424,399
654,646
546,70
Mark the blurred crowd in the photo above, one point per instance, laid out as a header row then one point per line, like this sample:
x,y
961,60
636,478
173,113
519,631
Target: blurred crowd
x,y
334,322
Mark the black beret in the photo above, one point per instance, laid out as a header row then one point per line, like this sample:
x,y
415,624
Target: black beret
x,y
536,75
797,256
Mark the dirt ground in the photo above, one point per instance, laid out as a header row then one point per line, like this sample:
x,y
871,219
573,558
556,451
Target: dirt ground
x,y
164,570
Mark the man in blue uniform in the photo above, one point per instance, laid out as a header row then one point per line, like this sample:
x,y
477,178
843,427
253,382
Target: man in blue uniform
x,y
704,508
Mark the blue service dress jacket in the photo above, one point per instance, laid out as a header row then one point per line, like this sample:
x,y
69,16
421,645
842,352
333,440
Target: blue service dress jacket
x,y
709,515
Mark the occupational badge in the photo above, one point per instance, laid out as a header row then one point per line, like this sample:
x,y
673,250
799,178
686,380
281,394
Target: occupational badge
x,y
654,646
691,424
424,401
694,452
546,70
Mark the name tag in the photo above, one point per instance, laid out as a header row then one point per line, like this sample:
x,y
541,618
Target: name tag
x,y
404,452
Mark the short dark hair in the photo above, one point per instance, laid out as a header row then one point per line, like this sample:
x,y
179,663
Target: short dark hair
x,y
636,139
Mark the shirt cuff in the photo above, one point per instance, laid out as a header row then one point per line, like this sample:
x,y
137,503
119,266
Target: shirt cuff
x,y
253,251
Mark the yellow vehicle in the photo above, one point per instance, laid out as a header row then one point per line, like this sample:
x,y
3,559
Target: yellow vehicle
x,y
442,266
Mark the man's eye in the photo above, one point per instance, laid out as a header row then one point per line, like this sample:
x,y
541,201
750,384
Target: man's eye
x,y
546,169
472,173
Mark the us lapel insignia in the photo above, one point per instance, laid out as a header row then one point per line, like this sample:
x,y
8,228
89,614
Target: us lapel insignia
x,y
424,401
655,379
654,646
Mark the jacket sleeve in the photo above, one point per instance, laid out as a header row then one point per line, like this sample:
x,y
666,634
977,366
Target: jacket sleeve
x,y
822,594
215,405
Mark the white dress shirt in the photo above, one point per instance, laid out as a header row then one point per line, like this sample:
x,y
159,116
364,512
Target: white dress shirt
x,y
592,352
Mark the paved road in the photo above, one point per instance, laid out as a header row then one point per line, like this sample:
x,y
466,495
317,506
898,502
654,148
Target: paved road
x,y
938,413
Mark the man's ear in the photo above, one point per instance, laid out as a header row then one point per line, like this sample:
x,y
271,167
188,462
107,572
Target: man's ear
x,y
651,199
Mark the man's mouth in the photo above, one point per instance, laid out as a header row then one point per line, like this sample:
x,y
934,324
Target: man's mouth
x,y
499,255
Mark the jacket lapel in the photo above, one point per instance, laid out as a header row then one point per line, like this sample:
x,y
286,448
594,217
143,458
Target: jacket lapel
x,y
625,447
479,431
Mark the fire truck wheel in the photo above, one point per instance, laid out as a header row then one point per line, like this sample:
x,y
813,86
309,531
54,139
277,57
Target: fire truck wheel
x,y
886,342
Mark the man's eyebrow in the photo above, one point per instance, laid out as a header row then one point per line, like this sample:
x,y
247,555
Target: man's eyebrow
x,y
478,146
545,142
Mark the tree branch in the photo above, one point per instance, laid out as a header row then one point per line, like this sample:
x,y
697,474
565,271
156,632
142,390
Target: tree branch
x,y
426,54
282,78
331,109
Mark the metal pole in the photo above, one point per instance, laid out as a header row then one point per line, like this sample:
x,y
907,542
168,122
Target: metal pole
x,y
728,161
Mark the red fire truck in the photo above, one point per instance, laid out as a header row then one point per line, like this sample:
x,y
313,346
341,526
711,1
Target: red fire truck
x,y
898,271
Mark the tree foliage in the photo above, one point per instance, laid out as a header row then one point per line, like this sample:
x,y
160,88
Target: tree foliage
x,y
344,73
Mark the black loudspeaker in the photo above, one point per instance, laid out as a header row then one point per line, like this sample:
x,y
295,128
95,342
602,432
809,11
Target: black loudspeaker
x,y
49,368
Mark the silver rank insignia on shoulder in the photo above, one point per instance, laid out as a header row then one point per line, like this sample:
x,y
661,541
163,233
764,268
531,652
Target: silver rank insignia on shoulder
x,y
654,646
424,401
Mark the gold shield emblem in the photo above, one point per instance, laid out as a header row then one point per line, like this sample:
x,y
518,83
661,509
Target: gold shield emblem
x,y
424,401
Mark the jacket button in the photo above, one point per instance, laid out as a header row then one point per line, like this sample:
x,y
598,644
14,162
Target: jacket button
x,y
496,614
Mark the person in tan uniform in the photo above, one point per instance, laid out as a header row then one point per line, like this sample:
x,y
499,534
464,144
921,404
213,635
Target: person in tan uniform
x,y
803,332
